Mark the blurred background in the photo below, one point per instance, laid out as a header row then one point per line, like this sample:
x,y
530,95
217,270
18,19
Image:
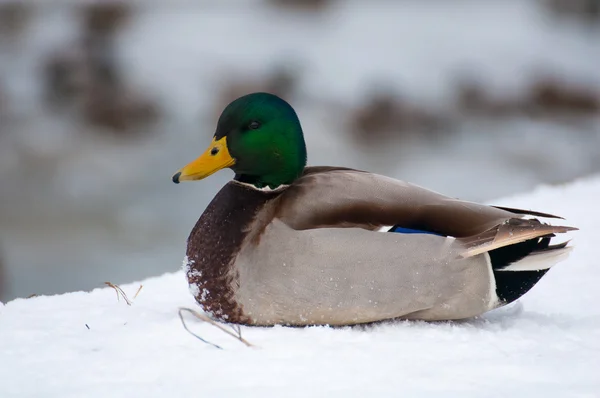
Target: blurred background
x,y
101,102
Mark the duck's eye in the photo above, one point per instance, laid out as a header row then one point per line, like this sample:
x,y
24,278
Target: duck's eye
x,y
253,125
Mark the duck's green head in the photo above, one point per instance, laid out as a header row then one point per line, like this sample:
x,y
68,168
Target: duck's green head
x,y
259,137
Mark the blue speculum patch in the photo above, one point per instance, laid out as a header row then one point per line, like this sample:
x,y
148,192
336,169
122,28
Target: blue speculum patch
x,y
401,230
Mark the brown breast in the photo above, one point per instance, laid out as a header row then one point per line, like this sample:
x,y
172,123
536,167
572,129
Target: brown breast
x,y
214,244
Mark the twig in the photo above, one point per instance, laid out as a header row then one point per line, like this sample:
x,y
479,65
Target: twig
x,y
138,291
237,335
238,330
180,312
119,291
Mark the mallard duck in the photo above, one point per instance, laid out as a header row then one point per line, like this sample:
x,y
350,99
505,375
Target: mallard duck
x,y
287,244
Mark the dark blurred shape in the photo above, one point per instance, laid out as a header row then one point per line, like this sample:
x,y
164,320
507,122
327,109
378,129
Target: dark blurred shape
x,y
545,98
304,5
551,95
117,109
587,11
282,81
88,77
386,114
14,17
105,18
474,99
63,75
471,96
376,118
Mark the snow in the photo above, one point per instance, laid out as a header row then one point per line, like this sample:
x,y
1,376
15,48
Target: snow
x,y
90,344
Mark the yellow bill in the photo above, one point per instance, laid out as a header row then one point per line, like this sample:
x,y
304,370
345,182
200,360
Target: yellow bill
x,y
215,158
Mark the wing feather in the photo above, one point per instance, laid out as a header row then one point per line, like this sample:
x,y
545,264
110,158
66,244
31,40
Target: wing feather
x,y
327,197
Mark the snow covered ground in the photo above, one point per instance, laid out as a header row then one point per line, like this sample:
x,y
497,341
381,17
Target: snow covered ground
x,y
89,345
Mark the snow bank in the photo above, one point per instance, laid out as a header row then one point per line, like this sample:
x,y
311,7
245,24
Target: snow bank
x,y
89,345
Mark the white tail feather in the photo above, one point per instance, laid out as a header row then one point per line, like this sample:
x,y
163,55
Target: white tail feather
x,y
539,261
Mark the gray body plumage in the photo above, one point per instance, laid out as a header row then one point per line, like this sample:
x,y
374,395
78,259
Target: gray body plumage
x,y
349,275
